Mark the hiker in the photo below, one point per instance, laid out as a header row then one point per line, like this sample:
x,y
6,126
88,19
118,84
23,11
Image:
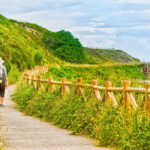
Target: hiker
x,y
3,81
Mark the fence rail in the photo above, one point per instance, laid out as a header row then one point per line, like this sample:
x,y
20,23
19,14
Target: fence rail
x,y
109,98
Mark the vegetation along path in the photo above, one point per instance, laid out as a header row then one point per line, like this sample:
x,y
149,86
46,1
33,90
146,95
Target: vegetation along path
x,y
20,132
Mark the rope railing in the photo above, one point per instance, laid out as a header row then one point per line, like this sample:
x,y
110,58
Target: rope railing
x,y
109,97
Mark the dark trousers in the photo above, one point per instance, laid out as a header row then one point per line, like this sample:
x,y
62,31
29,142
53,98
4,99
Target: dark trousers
x,y
2,89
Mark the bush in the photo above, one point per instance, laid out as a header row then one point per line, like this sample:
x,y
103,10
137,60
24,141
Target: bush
x,y
65,46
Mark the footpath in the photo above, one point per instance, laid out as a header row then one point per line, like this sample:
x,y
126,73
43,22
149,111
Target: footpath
x,y
21,132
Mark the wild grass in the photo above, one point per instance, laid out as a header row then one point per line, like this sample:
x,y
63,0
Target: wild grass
x,y
109,126
14,75
115,73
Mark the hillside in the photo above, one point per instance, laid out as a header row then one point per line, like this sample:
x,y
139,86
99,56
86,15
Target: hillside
x,y
98,56
22,45
26,45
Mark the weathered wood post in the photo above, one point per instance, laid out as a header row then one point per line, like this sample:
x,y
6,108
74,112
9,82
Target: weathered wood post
x,y
39,82
95,93
107,97
79,89
79,81
51,85
94,83
63,80
30,79
133,102
147,99
27,77
126,85
34,83
33,77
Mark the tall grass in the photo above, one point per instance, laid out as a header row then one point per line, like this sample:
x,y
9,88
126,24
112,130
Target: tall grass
x,y
116,74
109,126
14,75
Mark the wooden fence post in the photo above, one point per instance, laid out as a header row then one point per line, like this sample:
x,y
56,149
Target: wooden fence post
x,y
51,85
34,83
39,82
33,77
147,99
79,81
64,87
107,96
126,85
133,102
95,93
28,78
94,83
79,89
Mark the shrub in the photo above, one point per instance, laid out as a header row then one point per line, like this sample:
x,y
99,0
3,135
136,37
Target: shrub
x,y
65,46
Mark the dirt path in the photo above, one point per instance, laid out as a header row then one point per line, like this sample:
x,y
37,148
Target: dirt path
x,y
20,132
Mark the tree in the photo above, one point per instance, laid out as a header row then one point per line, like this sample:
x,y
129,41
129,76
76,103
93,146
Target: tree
x,y
65,46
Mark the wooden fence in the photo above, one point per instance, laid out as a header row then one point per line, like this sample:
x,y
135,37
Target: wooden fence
x,y
36,70
109,98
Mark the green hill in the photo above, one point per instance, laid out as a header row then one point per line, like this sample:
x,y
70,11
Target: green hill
x,y
26,45
22,45
98,56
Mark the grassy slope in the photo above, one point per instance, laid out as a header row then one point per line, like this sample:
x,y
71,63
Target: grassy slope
x,y
116,73
98,56
19,42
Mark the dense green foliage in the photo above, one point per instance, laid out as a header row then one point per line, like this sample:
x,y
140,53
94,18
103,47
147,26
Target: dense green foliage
x,y
99,56
111,127
64,46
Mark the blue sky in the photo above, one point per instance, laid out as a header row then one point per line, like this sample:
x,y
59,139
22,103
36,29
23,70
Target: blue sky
x,y
119,24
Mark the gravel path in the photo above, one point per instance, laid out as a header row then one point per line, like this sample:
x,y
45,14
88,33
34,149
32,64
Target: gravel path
x,y
20,132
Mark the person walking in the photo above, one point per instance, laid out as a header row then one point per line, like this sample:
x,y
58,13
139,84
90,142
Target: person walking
x,y
3,82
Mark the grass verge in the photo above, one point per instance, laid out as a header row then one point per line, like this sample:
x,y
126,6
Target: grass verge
x,y
109,126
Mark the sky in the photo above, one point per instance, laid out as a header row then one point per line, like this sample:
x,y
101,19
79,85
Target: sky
x,y
114,24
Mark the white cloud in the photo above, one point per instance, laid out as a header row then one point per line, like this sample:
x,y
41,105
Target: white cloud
x,y
134,1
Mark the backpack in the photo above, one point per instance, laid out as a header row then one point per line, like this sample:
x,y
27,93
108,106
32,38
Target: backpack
x,y
2,75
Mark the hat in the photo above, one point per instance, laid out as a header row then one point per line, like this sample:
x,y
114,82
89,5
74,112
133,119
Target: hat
x,y
1,60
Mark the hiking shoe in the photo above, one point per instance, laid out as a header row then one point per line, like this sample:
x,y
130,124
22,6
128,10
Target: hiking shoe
x,y
1,105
